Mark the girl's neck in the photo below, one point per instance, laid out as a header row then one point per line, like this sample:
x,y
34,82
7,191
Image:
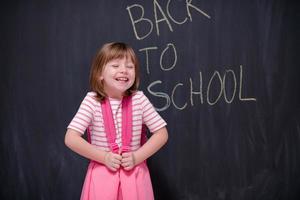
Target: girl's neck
x,y
115,97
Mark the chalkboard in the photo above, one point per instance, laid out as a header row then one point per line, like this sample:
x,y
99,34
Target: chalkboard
x,y
223,74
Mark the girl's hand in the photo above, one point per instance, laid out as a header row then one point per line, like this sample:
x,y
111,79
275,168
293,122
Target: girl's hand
x,y
112,161
128,161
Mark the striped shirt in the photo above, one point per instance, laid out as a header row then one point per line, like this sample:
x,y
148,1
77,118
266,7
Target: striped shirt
x,y
89,115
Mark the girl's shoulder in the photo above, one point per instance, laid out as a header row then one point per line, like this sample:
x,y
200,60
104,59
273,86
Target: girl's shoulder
x,y
91,98
140,98
138,95
91,94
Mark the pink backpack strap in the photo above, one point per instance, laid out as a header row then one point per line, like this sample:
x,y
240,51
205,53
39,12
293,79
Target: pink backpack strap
x,y
89,135
144,137
126,123
109,125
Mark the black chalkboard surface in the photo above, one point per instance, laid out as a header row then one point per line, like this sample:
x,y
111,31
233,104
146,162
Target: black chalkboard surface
x,y
223,74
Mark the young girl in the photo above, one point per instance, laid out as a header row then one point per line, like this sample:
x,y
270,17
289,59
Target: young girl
x,y
114,114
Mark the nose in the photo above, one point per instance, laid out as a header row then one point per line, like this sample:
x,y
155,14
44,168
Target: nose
x,y
123,69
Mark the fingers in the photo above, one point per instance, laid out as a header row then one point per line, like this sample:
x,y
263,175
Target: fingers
x,y
128,161
113,161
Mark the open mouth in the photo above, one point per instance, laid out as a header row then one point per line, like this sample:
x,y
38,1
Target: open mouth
x,y
122,79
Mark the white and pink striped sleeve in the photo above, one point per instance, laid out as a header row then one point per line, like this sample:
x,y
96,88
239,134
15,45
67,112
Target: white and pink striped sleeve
x,y
150,116
84,115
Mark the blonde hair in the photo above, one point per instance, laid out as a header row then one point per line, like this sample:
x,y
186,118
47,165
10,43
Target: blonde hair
x,y
108,52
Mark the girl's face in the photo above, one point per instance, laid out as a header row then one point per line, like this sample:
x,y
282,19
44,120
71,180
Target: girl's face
x,y
118,76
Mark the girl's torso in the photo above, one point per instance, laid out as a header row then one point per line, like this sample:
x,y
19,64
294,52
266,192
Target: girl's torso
x,y
90,116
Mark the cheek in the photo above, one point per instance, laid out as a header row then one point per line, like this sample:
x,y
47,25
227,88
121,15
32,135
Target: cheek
x,y
101,76
133,73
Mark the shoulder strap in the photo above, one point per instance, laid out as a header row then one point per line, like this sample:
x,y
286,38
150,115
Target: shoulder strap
x,y
109,125
126,123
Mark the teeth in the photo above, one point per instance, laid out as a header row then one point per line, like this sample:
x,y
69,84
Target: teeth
x,y
122,79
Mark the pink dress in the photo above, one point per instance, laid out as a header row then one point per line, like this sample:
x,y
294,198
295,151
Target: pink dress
x,y
103,184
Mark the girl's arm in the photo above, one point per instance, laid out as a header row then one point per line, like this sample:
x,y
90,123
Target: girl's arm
x,y
75,142
153,144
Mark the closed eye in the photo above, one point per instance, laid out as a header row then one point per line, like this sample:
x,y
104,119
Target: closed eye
x,y
130,66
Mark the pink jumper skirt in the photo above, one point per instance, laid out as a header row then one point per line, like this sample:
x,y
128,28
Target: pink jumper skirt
x,y
103,184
